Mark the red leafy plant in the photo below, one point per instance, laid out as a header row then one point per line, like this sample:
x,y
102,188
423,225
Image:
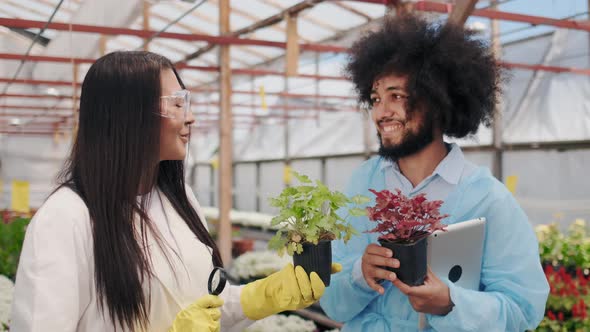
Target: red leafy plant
x,y
403,219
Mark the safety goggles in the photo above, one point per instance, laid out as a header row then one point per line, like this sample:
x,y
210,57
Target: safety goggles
x,y
176,106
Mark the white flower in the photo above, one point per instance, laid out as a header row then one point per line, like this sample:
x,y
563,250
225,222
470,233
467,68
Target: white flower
x,y
258,264
282,323
254,219
296,238
6,291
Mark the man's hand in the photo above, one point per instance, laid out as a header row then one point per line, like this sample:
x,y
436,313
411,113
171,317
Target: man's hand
x,y
373,259
431,298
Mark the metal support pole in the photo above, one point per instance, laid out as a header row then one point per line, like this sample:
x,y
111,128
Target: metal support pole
x,y
225,139
286,124
497,120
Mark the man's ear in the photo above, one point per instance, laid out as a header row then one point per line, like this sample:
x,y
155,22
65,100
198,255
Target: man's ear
x,y
437,130
440,124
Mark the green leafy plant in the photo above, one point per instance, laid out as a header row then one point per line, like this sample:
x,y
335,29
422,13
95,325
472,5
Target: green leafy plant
x,y
12,235
576,250
570,250
550,243
307,213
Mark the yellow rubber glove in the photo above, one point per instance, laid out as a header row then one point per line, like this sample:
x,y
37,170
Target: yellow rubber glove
x,y
336,267
201,316
288,289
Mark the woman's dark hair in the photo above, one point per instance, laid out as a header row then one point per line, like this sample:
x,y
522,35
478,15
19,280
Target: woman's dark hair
x,y
114,159
450,73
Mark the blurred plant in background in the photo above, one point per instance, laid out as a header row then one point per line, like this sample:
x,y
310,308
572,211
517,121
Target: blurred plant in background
x,y
254,265
565,256
570,250
282,323
12,235
6,291
566,261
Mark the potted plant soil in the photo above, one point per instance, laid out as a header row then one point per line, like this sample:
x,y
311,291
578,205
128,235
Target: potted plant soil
x,y
404,224
307,223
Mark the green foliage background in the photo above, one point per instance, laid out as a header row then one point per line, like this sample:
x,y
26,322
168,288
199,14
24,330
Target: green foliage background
x,y
12,236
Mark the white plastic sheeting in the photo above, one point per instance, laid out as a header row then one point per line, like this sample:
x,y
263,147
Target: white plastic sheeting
x,y
33,159
538,107
553,107
552,185
330,134
13,43
83,45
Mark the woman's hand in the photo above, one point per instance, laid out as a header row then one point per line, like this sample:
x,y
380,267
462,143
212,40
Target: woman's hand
x,y
288,289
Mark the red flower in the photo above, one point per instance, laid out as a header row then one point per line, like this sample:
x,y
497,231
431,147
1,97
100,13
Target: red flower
x,y
579,309
548,270
567,289
401,218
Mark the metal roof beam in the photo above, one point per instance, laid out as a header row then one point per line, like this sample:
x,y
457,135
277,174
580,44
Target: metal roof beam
x,y
269,21
312,20
447,8
221,40
461,11
352,10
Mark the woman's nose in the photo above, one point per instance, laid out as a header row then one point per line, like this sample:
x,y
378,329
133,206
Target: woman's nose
x,y
190,118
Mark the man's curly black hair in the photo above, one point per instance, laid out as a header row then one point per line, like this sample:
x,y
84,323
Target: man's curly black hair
x,y
450,72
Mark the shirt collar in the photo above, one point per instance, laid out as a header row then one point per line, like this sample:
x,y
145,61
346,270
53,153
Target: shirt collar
x,y
387,163
450,168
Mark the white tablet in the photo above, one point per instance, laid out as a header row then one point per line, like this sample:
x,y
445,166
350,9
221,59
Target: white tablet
x,y
457,253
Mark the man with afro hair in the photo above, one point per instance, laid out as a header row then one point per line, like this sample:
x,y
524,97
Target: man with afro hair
x,y
421,81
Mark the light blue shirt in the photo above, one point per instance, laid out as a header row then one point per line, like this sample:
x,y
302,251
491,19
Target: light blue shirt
x,y
439,184
513,289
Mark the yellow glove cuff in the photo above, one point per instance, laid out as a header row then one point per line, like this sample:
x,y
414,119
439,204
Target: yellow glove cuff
x,y
289,289
254,306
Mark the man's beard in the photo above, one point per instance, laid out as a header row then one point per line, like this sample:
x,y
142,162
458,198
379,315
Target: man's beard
x,y
410,143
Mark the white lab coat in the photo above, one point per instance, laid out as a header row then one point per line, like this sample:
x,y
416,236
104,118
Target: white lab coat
x,y
55,286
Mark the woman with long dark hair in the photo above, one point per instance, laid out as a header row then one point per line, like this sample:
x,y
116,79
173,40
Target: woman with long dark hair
x,y
121,244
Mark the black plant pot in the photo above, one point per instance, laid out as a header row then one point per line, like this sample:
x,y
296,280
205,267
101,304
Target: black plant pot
x,y
316,258
412,260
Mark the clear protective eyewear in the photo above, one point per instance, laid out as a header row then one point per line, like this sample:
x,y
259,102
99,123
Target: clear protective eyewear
x,y
176,106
